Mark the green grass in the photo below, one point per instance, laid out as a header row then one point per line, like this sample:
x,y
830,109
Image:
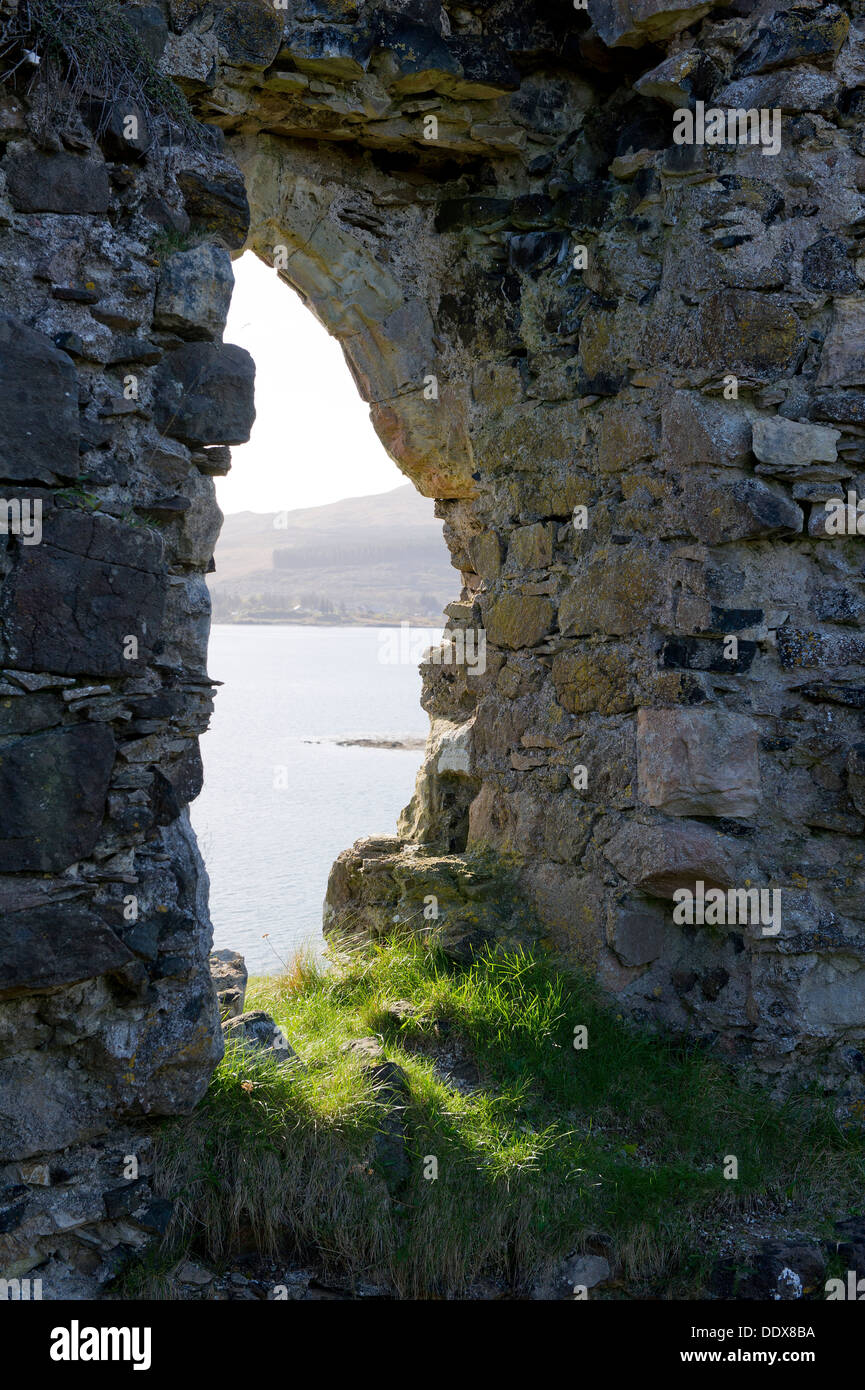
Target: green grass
x,y
558,1149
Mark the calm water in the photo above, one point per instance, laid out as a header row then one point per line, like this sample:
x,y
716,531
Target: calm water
x,y
269,848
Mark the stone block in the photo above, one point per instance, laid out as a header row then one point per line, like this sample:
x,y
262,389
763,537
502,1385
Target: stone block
x,y
55,946
100,580
698,762
64,183
632,23
39,432
53,788
518,620
701,430
194,292
204,394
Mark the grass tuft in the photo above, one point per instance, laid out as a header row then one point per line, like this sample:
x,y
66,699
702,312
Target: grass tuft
x,y
87,48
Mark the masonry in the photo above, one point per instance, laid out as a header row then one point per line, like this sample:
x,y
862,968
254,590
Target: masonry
x,y
423,175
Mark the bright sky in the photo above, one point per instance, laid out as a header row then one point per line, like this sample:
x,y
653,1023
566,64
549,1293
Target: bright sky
x,y
312,441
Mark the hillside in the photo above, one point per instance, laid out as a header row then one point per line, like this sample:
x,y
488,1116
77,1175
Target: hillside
x,y
360,560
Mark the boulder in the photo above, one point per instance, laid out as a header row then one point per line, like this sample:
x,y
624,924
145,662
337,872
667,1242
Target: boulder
x,y
256,1032
229,974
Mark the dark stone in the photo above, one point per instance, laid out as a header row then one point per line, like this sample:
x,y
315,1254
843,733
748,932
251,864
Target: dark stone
x,y
825,266
14,1201
57,183
390,1085
791,36
156,1216
39,433
713,982
734,619
165,216
250,35
69,604
24,714
856,776
150,27
843,407
135,350
122,1201
454,214
204,394
143,939
74,294
329,51
70,343
109,121
55,946
706,654
535,251
220,206
486,62
420,54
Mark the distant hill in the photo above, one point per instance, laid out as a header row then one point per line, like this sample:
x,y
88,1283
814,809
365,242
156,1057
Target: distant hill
x,y
361,560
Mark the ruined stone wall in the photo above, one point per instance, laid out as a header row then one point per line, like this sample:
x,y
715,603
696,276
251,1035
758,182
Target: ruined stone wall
x,y
630,370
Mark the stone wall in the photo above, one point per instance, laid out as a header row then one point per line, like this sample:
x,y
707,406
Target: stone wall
x,y
629,370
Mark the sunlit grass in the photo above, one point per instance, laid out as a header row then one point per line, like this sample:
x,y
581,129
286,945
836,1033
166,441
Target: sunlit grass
x,y
623,1142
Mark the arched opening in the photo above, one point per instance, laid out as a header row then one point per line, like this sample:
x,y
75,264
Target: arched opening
x,y
331,577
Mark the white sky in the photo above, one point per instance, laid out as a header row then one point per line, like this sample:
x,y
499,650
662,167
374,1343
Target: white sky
x,y
312,441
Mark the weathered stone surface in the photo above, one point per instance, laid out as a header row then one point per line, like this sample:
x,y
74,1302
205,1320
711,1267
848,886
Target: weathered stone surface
x,y
38,407
791,35
700,430
257,1032
206,394
790,447
194,292
516,621
698,762
631,23
71,608
842,362
52,796
638,933
716,310
45,949
229,974
658,859
216,205
57,183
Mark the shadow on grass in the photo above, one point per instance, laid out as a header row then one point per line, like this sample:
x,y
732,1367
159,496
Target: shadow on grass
x,y
617,1147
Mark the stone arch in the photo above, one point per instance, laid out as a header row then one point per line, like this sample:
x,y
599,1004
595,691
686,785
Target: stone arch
x,y
649,357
